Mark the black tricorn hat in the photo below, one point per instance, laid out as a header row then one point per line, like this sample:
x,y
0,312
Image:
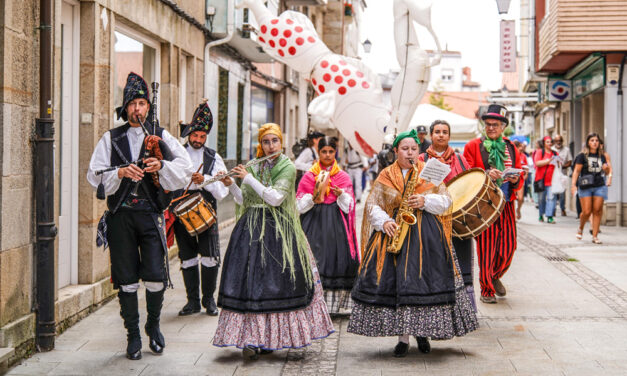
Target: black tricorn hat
x,y
496,111
136,87
201,121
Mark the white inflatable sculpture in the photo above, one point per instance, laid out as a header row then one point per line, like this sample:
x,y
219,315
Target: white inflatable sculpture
x,y
349,93
413,79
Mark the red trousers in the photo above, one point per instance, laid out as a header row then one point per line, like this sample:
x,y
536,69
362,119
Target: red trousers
x,y
495,248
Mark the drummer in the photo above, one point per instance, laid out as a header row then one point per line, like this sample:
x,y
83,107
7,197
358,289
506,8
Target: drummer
x,y
440,133
206,164
496,245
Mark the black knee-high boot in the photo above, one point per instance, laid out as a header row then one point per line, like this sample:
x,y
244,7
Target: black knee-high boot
x,y
191,278
154,302
209,282
130,315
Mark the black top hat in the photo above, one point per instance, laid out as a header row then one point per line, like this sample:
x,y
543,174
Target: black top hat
x,y
136,87
496,111
421,129
201,121
315,134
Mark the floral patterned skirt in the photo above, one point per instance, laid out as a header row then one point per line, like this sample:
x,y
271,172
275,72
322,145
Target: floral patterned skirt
x,y
439,322
276,331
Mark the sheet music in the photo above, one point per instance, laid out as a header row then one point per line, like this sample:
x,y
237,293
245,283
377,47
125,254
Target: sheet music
x,y
435,171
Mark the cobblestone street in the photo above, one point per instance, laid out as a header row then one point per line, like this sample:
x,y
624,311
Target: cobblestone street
x,y
565,314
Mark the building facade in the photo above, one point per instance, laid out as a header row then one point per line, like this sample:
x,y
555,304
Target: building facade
x,y
574,63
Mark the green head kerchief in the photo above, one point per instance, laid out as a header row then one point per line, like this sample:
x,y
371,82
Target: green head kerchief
x,y
496,150
413,134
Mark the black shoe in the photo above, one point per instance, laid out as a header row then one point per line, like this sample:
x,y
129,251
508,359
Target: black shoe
x,y
250,352
191,278
209,281
265,351
401,350
154,302
423,345
130,315
212,308
190,308
499,288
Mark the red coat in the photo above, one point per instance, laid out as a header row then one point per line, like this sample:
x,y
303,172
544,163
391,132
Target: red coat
x,y
473,154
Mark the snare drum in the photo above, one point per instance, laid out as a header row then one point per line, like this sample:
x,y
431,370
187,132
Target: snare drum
x,y
477,202
195,213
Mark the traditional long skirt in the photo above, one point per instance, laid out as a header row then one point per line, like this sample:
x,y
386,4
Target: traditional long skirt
x,y
326,232
262,305
427,301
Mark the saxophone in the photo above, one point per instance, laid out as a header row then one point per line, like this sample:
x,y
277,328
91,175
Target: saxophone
x,y
405,216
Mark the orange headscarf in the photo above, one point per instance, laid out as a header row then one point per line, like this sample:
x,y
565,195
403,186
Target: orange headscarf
x,y
268,128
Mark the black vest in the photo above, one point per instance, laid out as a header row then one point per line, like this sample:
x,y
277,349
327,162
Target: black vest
x,y
208,161
121,154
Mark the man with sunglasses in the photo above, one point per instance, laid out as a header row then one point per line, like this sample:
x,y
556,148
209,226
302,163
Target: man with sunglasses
x,y
567,160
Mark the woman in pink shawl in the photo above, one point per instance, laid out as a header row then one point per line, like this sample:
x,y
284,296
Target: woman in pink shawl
x,y
329,223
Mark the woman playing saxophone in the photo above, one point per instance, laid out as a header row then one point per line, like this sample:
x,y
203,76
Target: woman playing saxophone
x,y
409,281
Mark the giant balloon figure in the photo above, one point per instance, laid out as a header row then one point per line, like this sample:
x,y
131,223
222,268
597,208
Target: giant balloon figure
x,y
349,93
413,79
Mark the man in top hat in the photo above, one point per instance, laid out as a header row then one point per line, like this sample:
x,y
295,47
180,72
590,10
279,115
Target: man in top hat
x,y
496,245
207,243
134,226
422,136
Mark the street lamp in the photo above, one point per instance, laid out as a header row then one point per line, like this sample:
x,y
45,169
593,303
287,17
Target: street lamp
x,y
503,6
367,46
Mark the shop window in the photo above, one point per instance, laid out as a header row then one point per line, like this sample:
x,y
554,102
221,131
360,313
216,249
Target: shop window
x,y
240,122
223,110
133,53
261,112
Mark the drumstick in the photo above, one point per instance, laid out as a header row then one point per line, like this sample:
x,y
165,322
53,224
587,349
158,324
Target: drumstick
x,y
188,185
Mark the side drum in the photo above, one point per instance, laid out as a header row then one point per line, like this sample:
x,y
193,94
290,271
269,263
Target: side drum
x,y
477,202
196,214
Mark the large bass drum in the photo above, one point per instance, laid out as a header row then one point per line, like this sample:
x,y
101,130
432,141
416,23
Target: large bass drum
x,y
477,202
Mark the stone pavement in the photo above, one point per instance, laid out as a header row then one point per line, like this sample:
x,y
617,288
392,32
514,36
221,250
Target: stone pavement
x,y
565,314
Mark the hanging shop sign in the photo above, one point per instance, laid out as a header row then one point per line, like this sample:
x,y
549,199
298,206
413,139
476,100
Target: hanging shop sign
x,y
507,46
559,90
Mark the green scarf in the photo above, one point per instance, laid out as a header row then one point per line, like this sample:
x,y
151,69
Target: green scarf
x,y
280,175
496,149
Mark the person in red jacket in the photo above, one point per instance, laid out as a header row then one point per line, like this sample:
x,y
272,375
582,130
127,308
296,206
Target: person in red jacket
x,y
496,245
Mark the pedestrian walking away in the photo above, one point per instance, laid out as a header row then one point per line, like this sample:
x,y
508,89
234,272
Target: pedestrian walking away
x,y
589,182
546,161
134,226
326,204
270,291
409,281
566,159
440,133
496,245
206,242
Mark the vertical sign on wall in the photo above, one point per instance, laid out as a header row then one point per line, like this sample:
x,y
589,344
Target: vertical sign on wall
x,y
508,46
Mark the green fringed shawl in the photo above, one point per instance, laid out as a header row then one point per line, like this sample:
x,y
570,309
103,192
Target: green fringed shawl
x,y
282,178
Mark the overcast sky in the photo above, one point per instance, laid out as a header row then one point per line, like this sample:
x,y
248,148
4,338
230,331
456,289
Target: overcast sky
x,y
468,26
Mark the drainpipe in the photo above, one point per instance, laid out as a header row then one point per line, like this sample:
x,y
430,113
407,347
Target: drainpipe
x,y
230,29
44,188
619,177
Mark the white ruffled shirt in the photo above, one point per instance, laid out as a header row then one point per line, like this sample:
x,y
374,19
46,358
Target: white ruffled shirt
x,y
434,203
270,195
306,202
172,176
217,189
